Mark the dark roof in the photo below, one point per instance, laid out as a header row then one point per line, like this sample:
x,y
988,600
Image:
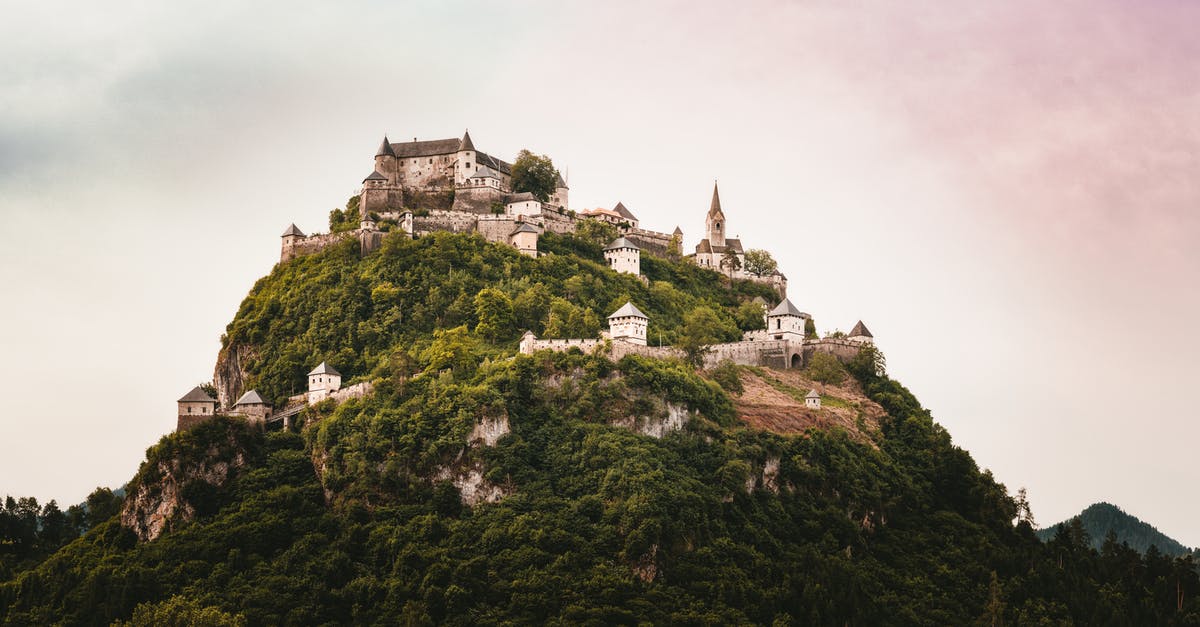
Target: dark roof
x,y
559,182
426,148
325,368
730,244
492,162
375,176
860,330
292,230
715,207
678,231
197,395
385,149
625,213
619,243
521,197
524,228
627,310
250,398
759,300
466,143
786,308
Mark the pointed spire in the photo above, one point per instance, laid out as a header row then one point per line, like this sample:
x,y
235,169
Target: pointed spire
x,y
292,230
715,207
678,231
385,149
860,330
466,143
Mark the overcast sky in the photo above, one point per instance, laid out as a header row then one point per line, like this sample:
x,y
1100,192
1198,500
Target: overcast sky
x,y
1004,191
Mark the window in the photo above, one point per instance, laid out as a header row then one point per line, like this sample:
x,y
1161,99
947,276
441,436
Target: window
x,y
189,410
468,164
431,162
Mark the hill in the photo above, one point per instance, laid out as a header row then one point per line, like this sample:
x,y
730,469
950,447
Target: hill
x,y
481,486
1101,519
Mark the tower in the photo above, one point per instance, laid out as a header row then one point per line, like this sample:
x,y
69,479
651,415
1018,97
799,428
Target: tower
x,y
195,407
466,161
786,322
861,334
714,222
628,324
374,195
321,381
386,162
525,239
623,255
291,237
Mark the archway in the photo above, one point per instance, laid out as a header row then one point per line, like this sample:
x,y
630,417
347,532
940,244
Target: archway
x,y
795,360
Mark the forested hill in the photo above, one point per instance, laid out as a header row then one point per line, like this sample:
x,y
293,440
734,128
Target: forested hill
x,y
477,486
1101,519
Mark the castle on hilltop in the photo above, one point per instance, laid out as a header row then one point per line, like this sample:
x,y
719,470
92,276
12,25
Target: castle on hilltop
x,y
421,187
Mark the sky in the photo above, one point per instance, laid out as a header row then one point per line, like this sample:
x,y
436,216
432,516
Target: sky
x,y
1004,191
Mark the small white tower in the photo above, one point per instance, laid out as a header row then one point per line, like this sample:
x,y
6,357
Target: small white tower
x,y
623,255
812,400
321,381
628,324
524,239
786,322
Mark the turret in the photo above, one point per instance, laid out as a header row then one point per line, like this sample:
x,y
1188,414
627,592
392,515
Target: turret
x,y
714,222
386,162
374,194
677,241
628,324
861,334
623,255
786,322
322,381
560,192
253,407
195,407
291,237
466,161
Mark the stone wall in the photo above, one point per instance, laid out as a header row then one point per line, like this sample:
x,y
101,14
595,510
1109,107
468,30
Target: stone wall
x,y
842,348
496,228
770,353
531,346
650,241
358,390
298,246
453,221
478,199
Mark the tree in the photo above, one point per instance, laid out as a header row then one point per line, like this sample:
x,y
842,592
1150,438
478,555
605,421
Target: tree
x,y
702,328
1024,513
596,231
495,312
810,329
731,262
675,247
825,368
102,504
760,262
534,174
179,611
750,316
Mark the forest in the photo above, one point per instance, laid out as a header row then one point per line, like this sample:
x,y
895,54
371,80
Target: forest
x,y
352,518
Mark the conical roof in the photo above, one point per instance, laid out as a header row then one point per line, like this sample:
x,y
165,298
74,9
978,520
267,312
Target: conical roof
x,y
466,143
385,149
621,242
786,308
250,398
325,368
628,310
559,183
375,176
623,212
860,330
292,230
715,207
197,395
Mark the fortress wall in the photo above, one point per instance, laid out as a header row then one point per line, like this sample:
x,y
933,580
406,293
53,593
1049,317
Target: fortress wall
x,y
771,353
453,221
556,222
312,244
650,241
621,349
496,228
477,200
358,390
843,349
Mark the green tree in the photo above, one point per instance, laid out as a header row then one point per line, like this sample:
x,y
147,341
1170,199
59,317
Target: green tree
x,y
760,262
675,247
596,231
702,328
729,376
495,312
749,316
731,262
451,348
348,219
102,504
179,611
810,329
534,174
825,368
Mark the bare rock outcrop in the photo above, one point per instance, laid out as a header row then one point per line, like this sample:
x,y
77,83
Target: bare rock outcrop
x,y
229,375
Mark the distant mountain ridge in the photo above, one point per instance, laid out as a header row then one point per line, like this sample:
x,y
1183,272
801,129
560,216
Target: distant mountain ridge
x,y
1100,518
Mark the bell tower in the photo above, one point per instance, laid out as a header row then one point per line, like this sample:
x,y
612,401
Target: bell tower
x,y
715,221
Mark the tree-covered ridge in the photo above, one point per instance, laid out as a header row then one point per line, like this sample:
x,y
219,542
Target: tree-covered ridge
x,y
367,315
1101,519
358,518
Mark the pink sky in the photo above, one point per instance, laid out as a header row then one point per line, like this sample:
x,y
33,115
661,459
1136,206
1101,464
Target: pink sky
x,y
1003,191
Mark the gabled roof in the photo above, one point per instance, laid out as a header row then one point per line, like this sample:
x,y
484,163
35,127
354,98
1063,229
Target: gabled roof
x,y
250,398
786,308
678,231
375,176
621,242
325,368
385,149
812,394
521,197
524,228
715,207
623,212
730,244
492,162
466,143
292,230
628,310
427,148
485,172
860,330
197,395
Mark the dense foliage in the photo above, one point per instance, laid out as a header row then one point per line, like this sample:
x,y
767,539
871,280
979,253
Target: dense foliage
x,y
535,174
1101,519
363,517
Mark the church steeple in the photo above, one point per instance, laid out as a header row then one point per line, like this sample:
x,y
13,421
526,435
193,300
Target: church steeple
x,y
714,222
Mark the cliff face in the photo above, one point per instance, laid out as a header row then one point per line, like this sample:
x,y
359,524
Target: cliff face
x,y
186,475
229,375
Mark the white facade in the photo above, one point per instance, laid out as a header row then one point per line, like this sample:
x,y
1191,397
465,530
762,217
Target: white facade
x,y
524,239
812,400
786,322
627,324
322,381
524,208
623,255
